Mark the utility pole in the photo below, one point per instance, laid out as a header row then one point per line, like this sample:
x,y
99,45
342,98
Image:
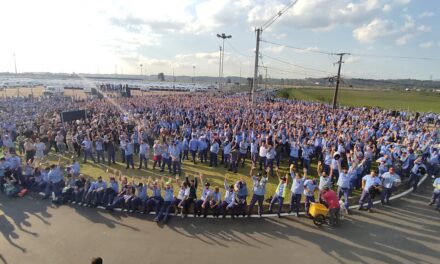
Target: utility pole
x,y
141,70
265,82
15,64
257,53
222,56
220,70
335,96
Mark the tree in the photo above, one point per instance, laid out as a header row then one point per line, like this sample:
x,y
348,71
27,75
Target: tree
x,y
161,77
228,80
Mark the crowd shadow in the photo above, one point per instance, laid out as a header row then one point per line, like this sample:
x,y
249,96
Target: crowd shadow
x,y
15,217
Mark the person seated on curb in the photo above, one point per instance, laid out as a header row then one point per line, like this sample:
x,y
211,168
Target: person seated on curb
x,y
156,200
122,200
259,190
215,201
228,203
56,181
92,198
203,203
164,212
140,198
331,200
180,196
436,194
79,189
112,189
280,193
66,194
370,188
242,192
190,196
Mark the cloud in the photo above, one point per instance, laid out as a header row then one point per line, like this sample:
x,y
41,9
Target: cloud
x,y
274,49
382,28
374,30
386,8
426,45
402,2
426,14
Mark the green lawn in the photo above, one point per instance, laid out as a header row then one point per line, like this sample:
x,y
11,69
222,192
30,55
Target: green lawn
x,y
389,99
215,176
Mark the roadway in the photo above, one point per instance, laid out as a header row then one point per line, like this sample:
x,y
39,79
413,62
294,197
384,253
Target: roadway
x,y
34,231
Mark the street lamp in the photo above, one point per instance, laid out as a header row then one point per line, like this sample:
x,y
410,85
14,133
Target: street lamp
x,y
222,54
194,74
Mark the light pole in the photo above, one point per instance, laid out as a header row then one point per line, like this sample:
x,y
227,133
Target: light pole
x,y
222,51
141,70
194,74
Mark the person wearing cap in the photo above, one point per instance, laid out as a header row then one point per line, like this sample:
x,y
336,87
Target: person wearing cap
x,y
144,153
92,198
110,191
297,189
280,194
309,192
228,203
259,190
389,181
140,198
202,204
370,183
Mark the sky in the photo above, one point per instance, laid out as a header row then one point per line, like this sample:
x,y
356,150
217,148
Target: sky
x,y
119,35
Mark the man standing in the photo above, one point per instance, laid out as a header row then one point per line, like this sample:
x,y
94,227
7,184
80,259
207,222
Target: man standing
x,y
193,147
128,151
144,153
213,157
280,194
389,180
87,148
175,158
259,189
370,185
297,190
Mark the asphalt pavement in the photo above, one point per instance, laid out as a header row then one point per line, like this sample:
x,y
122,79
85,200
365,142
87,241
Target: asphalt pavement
x,y
35,231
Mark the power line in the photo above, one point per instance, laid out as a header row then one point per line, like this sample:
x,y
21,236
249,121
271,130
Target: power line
x,y
354,54
297,48
296,65
278,15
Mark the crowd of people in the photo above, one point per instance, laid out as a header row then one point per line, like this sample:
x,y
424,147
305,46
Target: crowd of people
x,y
161,131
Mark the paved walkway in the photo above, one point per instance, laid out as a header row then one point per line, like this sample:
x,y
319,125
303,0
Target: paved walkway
x,y
34,231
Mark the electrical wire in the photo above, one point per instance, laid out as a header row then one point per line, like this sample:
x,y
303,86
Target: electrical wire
x,y
296,65
278,15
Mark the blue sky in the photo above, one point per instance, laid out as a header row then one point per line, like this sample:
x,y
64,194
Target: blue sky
x,y
96,36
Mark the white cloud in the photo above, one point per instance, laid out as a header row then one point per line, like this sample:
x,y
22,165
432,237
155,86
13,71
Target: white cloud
x,y
424,28
402,2
274,49
375,29
426,14
386,8
404,39
426,45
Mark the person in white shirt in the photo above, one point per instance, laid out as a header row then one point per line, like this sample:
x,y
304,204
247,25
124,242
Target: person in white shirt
x,y
263,155
436,194
228,203
389,180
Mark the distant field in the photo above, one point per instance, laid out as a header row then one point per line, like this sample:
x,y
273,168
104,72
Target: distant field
x,y
413,101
